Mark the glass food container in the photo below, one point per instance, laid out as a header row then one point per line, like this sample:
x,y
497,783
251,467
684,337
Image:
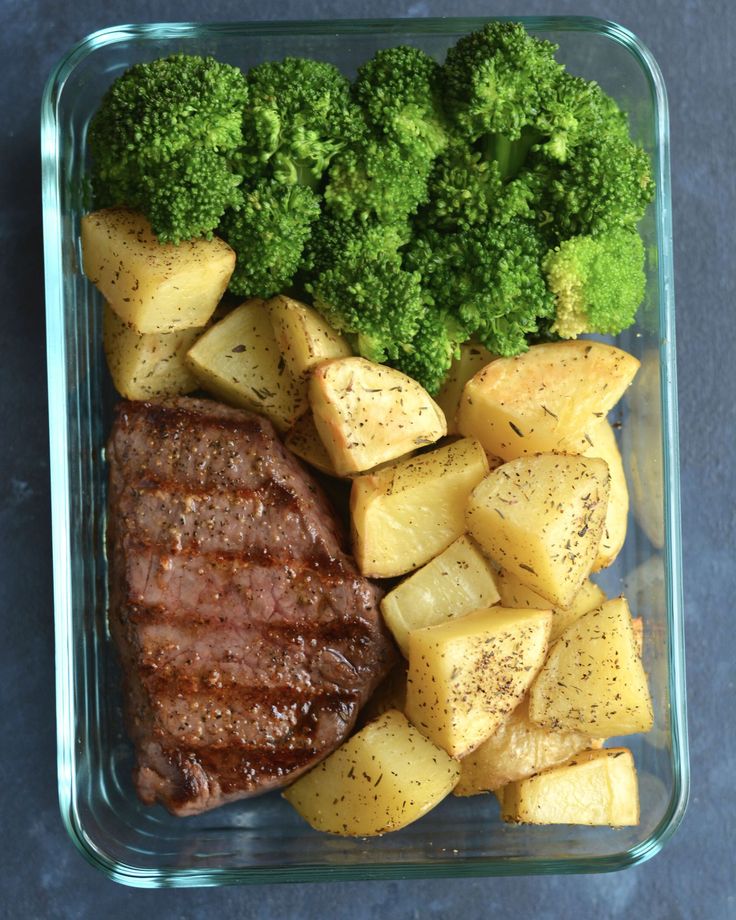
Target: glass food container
x,y
263,839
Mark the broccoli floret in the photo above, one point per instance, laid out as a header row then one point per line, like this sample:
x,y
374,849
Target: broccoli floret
x,y
576,112
331,236
299,114
398,92
467,190
365,291
606,183
377,179
435,344
598,283
489,277
163,141
497,82
268,233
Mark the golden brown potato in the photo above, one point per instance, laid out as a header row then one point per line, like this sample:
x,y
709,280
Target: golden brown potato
x,y
467,674
367,414
642,440
454,583
516,594
383,778
541,518
147,365
158,287
473,358
239,362
614,530
593,680
546,399
304,337
303,440
517,749
594,787
411,510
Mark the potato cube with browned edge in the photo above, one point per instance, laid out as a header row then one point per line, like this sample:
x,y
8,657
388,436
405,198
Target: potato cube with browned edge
x,y
304,337
239,362
541,518
514,593
594,787
593,680
546,399
158,287
467,674
303,440
454,583
147,365
517,749
385,777
614,529
367,414
472,359
411,510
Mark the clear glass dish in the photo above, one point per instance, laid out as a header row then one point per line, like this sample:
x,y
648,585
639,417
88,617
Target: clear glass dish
x,y
264,840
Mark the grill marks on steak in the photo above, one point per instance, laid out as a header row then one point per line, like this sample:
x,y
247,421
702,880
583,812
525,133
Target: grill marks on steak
x,y
248,638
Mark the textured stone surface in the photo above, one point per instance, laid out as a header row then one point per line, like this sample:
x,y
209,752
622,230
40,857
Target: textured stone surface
x,y
41,875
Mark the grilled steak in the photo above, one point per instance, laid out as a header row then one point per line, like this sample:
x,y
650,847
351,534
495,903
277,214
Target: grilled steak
x,y
248,638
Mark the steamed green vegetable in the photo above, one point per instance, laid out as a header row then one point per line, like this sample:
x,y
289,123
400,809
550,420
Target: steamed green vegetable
x,y
494,197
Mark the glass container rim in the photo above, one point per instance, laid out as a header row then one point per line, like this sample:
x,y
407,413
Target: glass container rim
x,y
59,462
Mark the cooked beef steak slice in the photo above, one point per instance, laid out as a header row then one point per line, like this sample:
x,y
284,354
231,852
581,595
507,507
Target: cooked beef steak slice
x,y
248,638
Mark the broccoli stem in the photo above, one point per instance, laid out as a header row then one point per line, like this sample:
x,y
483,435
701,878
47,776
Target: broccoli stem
x,y
510,155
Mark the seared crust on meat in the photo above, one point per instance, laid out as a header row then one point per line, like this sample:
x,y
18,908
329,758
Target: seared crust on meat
x,y
249,639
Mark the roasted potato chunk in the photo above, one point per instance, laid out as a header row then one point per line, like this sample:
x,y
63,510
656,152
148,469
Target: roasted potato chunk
x,y
454,583
473,358
594,787
411,510
303,440
147,365
383,778
157,287
367,414
541,518
304,337
546,399
617,514
239,362
593,680
514,593
467,674
645,465
517,749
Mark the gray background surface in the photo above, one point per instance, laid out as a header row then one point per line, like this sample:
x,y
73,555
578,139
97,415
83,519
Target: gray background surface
x,y
41,875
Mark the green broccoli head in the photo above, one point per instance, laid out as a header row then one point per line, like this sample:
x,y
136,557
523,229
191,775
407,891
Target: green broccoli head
x,y
163,141
299,114
430,353
467,190
376,179
268,233
397,90
598,282
576,112
332,236
365,292
489,278
606,183
497,79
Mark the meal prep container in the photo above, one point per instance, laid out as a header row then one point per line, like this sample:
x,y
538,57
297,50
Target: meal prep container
x,y
263,839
